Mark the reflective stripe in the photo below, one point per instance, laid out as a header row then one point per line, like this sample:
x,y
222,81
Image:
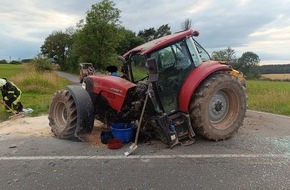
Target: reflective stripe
x,y
18,91
17,100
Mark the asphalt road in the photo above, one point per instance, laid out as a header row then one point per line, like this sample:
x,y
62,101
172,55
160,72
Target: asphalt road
x,y
73,78
257,157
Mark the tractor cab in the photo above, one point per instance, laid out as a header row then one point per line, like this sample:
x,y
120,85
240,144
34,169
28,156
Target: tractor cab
x,y
174,61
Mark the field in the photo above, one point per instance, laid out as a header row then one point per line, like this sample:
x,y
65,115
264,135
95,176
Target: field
x,y
269,96
285,76
7,71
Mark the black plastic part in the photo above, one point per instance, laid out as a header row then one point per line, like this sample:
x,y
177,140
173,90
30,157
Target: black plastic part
x,y
85,110
90,89
164,122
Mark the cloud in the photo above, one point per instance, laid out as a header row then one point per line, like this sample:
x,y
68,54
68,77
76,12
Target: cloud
x,y
17,50
26,23
261,26
33,24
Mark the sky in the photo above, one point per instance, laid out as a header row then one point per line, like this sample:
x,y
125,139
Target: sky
x,y
260,26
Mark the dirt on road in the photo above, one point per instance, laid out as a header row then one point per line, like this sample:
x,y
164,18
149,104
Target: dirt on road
x,y
27,126
39,126
255,122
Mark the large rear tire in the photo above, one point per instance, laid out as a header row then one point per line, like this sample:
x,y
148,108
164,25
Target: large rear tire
x,y
218,108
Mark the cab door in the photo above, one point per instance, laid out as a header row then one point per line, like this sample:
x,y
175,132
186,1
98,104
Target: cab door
x,y
174,64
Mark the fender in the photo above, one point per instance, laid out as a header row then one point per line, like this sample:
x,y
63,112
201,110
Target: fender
x,y
195,78
114,89
85,110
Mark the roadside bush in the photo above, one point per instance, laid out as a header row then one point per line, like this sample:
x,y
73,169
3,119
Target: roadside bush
x,y
15,62
42,64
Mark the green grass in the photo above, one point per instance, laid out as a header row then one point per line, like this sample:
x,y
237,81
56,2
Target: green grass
x,y
269,96
7,70
37,87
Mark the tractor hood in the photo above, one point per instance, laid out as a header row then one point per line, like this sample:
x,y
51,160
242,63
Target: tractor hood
x,y
114,89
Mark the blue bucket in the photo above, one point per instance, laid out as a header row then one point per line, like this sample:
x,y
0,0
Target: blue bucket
x,y
123,131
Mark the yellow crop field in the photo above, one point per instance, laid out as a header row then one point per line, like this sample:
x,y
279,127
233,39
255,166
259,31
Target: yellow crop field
x,y
277,76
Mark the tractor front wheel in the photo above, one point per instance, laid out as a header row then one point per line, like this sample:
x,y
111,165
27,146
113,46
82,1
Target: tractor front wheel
x,y
71,113
62,115
218,108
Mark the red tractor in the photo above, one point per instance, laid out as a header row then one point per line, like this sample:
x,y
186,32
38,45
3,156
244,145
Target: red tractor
x,y
187,94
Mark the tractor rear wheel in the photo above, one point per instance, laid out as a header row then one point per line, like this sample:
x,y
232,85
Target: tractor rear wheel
x,y
63,115
218,107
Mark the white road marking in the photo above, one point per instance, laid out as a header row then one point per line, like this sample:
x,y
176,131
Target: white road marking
x,y
118,157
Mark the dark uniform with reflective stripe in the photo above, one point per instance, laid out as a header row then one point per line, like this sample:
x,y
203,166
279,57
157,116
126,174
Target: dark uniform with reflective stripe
x,y
11,95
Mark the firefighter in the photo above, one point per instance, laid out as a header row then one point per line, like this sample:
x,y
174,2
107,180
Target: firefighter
x,y
11,95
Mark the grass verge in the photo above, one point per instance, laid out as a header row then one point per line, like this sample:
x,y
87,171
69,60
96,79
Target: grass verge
x,y
37,87
269,96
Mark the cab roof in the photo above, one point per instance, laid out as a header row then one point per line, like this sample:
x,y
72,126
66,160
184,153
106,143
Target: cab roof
x,y
161,42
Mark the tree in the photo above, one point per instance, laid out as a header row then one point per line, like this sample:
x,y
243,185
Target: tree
x,y
186,25
219,55
151,33
227,55
230,54
147,34
248,64
3,61
15,62
129,41
163,30
97,39
57,45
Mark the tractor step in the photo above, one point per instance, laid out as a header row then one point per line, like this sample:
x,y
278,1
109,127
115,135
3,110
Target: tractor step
x,y
174,129
182,124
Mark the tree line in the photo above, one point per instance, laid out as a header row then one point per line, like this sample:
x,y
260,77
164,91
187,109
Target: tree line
x,y
248,63
275,69
100,38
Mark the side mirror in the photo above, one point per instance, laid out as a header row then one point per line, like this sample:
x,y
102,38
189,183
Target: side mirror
x,y
122,59
153,69
195,33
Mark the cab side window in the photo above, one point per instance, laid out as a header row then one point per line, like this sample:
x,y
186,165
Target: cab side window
x,y
174,57
139,68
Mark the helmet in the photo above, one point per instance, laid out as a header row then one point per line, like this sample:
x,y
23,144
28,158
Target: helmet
x,y
2,82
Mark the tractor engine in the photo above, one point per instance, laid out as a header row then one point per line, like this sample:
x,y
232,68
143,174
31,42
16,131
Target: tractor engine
x,y
130,110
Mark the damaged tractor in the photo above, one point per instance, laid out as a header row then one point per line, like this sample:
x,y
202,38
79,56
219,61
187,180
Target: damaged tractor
x,y
187,94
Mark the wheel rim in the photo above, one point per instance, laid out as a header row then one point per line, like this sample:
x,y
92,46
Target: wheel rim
x,y
61,115
218,107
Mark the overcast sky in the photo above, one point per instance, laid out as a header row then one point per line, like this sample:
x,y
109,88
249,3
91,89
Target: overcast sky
x,y
260,26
